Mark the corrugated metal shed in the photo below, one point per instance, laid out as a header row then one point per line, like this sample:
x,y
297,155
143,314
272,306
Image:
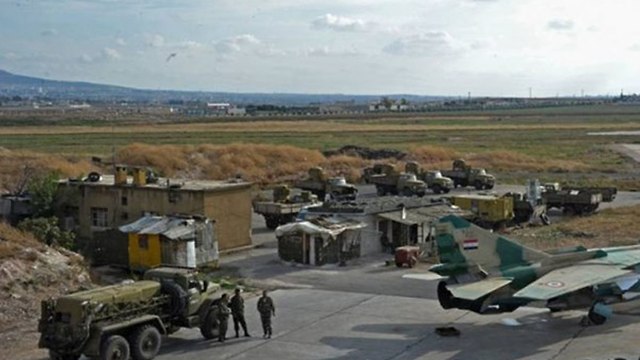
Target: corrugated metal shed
x,y
174,228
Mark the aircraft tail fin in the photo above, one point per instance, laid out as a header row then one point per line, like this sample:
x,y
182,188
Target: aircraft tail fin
x,y
464,247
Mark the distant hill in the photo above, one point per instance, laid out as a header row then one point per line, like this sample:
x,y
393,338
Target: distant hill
x,y
26,86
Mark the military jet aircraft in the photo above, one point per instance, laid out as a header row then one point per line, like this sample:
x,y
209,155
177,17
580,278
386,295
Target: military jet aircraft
x,y
488,273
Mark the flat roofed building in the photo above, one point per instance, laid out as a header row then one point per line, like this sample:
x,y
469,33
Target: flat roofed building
x,y
103,203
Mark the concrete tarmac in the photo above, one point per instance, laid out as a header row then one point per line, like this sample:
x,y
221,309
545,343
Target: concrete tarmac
x,y
319,324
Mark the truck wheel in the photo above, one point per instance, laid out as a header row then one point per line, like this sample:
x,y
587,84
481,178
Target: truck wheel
x,y
380,191
545,219
436,189
407,192
209,328
478,185
115,347
145,343
272,223
53,355
177,297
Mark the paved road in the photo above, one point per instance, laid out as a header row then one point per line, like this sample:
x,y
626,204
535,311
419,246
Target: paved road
x,y
318,324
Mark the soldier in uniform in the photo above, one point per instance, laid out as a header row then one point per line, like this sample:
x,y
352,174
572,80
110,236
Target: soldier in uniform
x,y
237,311
266,309
223,317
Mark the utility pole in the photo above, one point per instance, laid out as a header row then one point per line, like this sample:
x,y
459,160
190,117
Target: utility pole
x,y
530,92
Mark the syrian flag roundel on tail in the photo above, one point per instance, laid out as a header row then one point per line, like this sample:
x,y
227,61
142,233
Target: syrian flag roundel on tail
x,y
470,244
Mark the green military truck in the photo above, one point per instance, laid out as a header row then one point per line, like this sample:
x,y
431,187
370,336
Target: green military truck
x,y
577,201
285,207
320,185
125,321
390,181
464,175
432,178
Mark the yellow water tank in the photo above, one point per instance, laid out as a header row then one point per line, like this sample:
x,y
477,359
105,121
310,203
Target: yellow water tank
x,y
139,176
121,175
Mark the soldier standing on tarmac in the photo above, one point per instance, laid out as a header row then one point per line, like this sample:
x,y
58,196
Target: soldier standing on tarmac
x,y
237,311
223,317
266,309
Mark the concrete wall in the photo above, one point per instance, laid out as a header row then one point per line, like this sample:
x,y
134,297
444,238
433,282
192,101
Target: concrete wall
x,y
231,210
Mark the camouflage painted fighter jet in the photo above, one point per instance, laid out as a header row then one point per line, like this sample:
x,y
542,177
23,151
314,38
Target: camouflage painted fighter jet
x,y
488,273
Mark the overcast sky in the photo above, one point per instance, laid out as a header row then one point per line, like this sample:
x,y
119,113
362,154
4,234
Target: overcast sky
x,y
430,47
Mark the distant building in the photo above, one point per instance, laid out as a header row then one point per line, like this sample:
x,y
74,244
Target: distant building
x,y
101,204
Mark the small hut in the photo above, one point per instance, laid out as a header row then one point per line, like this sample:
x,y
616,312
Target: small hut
x,y
320,241
184,241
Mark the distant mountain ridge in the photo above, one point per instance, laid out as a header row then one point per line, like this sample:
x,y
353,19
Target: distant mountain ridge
x,y
27,86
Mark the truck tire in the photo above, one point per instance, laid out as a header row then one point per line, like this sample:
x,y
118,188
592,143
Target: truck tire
x,y
209,328
145,342
53,355
545,219
177,297
272,222
407,192
478,185
114,347
437,189
380,191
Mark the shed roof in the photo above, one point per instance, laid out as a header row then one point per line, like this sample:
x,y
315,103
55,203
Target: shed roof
x,y
424,214
174,228
325,227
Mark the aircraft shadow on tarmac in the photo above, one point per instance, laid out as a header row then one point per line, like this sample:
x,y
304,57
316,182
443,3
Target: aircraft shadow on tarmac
x,y
539,335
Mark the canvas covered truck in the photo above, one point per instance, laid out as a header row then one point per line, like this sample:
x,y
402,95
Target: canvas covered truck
x,y
464,175
125,321
285,207
320,185
432,178
398,183
608,193
572,200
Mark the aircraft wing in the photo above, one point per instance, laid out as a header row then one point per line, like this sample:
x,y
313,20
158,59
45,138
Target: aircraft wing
x,y
568,279
478,289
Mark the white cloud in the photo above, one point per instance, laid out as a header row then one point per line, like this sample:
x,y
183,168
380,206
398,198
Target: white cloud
x,y
49,32
424,44
189,44
11,56
121,42
635,47
325,51
111,54
154,40
236,44
340,23
560,24
86,58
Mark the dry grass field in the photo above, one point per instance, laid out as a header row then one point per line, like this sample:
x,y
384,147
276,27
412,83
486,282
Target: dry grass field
x,y
550,144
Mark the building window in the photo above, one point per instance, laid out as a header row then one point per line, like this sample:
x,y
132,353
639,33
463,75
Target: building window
x,y
124,215
99,217
143,242
124,201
